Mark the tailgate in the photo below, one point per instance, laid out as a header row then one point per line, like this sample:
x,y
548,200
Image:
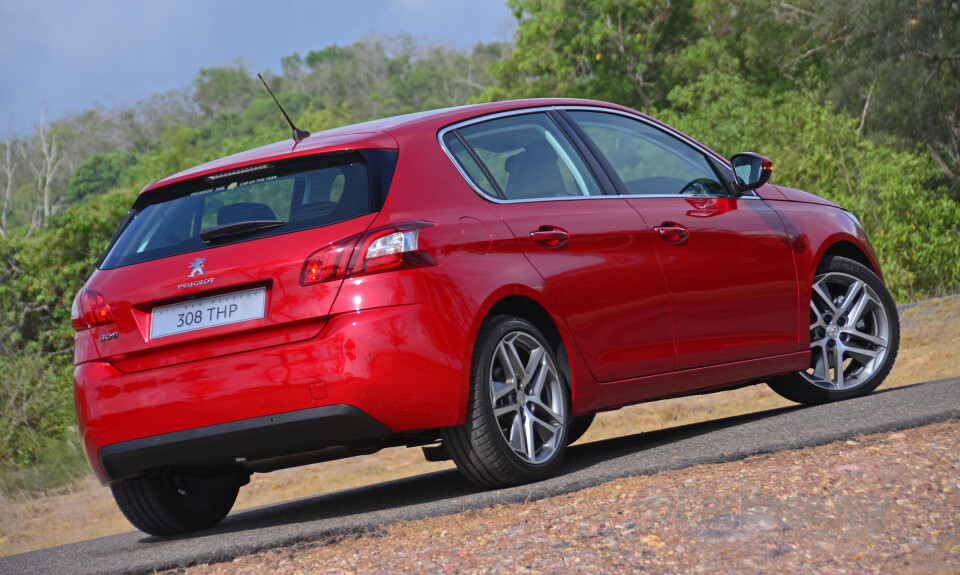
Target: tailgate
x,y
212,266
248,297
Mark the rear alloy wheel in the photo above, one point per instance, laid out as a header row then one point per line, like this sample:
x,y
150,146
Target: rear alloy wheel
x,y
518,418
854,336
171,503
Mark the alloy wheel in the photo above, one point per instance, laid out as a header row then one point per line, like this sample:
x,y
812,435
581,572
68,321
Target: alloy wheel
x,y
849,332
527,397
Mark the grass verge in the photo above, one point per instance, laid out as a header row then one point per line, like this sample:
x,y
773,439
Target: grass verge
x,y
58,466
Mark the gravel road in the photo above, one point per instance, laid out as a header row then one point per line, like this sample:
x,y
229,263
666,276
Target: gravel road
x,y
881,504
365,510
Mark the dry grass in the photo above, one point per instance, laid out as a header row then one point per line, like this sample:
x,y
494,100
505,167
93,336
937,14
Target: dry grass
x,y
929,344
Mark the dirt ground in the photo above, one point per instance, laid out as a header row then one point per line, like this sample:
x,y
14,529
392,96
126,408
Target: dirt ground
x,y
887,503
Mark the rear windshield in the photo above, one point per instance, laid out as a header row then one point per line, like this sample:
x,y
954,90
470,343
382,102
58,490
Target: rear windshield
x,y
245,204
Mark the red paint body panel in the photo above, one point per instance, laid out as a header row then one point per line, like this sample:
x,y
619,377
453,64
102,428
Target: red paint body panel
x,y
801,196
606,280
641,316
770,192
376,374
698,380
732,280
813,228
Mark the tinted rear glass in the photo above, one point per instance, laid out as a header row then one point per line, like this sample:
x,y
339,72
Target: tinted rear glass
x,y
300,195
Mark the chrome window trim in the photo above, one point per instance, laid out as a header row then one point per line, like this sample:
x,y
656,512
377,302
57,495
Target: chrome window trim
x,y
541,109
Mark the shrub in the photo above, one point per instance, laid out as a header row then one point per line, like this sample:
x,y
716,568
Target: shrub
x,y
914,227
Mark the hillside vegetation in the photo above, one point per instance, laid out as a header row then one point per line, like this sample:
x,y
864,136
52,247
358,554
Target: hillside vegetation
x,y
855,101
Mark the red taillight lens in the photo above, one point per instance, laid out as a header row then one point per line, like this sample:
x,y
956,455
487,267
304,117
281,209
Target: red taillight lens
x,y
90,310
382,249
329,263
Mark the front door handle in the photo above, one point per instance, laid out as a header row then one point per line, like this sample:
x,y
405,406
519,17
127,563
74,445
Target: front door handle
x,y
550,236
671,232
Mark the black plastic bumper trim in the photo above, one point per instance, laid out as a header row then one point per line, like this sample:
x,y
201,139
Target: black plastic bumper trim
x,y
252,439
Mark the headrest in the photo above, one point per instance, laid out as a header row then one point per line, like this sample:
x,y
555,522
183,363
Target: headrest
x,y
244,212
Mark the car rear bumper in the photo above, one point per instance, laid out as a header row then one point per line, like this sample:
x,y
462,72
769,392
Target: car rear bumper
x,y
352,385
259,442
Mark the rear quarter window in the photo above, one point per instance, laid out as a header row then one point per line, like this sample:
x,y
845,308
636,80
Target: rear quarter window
x,y
527,156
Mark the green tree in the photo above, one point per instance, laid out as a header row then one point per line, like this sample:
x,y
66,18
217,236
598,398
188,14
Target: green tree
x,y
224,89
40,276
98,174
899,71
605,49
895,65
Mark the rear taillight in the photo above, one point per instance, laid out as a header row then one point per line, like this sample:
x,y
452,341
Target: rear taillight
x,y
383,249
396,247
329,263
89,310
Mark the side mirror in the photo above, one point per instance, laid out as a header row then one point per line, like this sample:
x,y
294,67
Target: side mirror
x,y
751,170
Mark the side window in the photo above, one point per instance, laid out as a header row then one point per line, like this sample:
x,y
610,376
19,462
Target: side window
x,y
466,160
525,156
648,160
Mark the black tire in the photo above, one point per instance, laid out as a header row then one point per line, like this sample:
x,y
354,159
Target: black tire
x,y
480,447
170,504
578,426
875,322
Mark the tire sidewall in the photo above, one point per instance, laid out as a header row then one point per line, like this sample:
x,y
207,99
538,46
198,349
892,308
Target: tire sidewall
x,y
796,388
500,327
155,505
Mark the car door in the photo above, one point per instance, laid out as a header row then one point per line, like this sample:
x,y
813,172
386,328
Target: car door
x,y
594,253
727,260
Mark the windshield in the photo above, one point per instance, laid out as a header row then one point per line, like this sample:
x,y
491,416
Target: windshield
x,y
281,199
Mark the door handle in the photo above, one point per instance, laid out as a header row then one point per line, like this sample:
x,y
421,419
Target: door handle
x,y
671,232
550,236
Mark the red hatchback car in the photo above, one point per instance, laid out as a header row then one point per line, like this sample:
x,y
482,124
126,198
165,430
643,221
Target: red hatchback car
x,y
478,280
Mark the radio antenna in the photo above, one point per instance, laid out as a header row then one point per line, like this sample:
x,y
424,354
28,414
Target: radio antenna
x,y
298,134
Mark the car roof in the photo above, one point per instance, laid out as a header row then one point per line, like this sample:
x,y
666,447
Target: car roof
x,y
372,134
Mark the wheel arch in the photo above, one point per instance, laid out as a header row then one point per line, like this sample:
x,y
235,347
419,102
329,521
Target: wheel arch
x,y
520,302
849,250
846,245
528,309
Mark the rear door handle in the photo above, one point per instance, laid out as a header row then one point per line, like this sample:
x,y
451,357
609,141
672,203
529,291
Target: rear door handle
x,y
550,236
671,232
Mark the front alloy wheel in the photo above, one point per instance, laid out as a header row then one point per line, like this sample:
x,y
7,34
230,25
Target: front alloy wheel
x,y
854,335
849,332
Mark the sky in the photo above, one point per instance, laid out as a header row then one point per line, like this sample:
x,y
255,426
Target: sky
x,y
69,56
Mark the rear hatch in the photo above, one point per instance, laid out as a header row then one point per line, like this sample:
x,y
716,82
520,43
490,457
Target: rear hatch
x,y
217,265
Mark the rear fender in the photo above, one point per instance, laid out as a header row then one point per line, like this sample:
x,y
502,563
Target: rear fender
x,y
536,294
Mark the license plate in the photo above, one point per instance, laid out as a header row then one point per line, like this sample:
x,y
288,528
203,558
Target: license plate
x,y
207,312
